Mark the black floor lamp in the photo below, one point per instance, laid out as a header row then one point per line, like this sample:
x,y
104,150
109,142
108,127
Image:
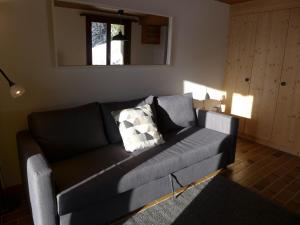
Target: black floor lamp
x,y
7,202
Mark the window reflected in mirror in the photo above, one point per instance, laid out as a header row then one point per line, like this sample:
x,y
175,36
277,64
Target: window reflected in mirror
x,y
99,43
102,49
117,46
92,35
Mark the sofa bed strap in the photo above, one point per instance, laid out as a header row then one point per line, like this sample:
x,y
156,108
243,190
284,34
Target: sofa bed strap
x,y
173,178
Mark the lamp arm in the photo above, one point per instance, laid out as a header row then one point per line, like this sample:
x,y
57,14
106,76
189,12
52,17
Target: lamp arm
x,y
10,83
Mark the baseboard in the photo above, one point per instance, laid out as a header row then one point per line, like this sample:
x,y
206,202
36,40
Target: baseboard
x,y
267,144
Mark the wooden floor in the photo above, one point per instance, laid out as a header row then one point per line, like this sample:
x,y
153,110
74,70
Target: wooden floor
x,y
270,173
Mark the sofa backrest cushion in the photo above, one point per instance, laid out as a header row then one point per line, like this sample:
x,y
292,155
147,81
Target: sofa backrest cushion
x,y
175,112
112,130
65,133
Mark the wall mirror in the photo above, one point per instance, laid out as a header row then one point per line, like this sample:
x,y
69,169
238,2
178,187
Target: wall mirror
x,y
87,35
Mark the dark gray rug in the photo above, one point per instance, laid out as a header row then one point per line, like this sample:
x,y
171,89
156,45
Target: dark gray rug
x,y
216,202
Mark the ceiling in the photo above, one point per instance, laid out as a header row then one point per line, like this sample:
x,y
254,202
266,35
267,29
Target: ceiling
x,y
234,1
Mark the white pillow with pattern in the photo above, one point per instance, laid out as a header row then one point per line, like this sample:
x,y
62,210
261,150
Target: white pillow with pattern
x,y
137,129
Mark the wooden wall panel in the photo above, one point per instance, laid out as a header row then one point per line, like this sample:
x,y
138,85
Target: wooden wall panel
x,y
260,6
246,36
295,23
232,61
287,121
267,67
264,45
241,52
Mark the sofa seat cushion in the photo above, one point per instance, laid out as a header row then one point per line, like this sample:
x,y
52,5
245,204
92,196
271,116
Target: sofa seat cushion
x,y
180,151
76,169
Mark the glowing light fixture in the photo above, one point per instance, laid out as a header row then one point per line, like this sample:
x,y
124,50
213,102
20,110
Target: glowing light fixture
x,y
15,90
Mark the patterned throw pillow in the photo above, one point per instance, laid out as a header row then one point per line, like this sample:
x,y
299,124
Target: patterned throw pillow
x,y
138,131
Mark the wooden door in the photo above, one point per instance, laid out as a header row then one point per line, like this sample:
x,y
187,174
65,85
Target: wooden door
x,y
270,44
287,118
240,57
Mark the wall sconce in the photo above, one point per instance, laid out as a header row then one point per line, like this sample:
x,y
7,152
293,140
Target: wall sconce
x,y
15,90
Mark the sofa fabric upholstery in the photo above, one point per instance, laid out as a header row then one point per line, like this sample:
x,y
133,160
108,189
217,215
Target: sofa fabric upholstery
x,y
76,169
65,133
105,211
39,179
216,121
222,123
175,112
192,146
97,181
112,130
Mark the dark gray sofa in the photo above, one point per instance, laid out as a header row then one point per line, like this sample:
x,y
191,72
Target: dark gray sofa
x,y
77,171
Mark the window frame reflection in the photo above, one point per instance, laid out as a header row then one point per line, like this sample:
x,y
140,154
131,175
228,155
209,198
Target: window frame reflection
x,y
108,21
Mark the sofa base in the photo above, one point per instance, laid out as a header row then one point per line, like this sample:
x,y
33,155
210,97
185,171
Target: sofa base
x,y
174,194
132,200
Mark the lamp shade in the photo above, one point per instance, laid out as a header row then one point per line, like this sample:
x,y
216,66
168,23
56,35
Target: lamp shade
x,y
16,91
119,37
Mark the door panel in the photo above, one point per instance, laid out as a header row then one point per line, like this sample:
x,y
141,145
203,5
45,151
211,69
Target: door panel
x,y
241,49
296,29
267,68
287,118
246,53
233,61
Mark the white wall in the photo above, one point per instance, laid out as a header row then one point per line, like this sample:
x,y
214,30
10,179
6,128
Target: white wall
x,y
199,50
70,36
147,54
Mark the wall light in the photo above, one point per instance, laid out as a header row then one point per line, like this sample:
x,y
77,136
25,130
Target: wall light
x,y
15,90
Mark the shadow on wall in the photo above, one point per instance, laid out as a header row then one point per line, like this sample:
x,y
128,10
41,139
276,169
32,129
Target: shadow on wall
x,y
200,91
241,105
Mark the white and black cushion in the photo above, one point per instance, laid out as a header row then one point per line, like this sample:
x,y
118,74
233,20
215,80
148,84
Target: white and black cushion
x,y
112,130
137,129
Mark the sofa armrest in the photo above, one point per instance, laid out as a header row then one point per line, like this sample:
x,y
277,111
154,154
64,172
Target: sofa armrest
x,y
217,121
38,177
